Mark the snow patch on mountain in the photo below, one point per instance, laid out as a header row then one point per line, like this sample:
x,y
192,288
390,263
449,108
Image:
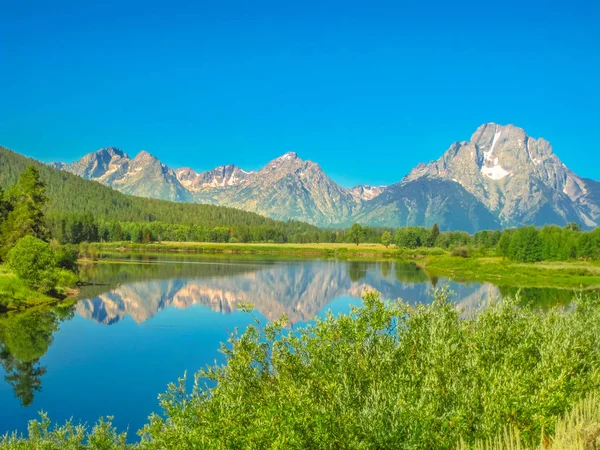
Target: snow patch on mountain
x,y
496,172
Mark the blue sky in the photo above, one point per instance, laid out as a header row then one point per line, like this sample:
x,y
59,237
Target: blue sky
x,y
366,89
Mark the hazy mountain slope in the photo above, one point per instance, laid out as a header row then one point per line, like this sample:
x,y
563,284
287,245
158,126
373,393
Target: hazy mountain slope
x,y
143,176
589,202
427,201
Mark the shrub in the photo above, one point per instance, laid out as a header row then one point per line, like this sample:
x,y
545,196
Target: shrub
x,y
33,261
41,435
462,252
390,376
66,258
65,278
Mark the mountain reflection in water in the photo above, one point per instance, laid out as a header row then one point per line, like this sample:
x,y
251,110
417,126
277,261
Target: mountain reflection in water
x,y
299,289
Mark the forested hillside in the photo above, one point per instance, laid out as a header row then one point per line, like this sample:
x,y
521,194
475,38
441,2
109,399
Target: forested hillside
x,y
69,193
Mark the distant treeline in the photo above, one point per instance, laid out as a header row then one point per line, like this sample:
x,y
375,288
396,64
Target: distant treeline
x,y
523,244
527,244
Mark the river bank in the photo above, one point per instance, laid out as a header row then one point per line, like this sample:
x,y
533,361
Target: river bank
x,y
435,261
15,294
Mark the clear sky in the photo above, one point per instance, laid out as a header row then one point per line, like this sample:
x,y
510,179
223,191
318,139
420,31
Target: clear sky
x,y
367,89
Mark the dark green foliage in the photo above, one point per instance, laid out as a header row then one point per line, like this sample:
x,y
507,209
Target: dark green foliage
x,y
504,243
526,245
27,200
431,239
66,257
5,206
462,252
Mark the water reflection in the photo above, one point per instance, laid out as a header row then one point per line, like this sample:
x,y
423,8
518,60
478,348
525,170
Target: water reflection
x,y
24,338
299,289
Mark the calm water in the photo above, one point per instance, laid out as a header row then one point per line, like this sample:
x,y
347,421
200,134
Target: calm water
x,y
145,322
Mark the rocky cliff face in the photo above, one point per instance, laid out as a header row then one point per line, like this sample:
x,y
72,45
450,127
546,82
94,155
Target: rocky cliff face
x,y
518,178
143,176
291,188
501,177
224,176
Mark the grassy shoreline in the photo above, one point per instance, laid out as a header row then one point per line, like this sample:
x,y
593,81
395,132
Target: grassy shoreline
x,y
502,272
435,261
325,250
16,295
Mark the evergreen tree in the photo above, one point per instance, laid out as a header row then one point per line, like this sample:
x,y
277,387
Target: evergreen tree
x,y
5,206
28,200
433,236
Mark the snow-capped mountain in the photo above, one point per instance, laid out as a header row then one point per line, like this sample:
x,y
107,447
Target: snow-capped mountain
x,y
501,177
518,178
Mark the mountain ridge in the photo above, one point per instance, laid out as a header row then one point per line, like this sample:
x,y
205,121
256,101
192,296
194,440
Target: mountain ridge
x,y
500,177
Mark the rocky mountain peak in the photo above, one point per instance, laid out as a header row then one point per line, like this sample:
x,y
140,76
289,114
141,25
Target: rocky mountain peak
x,y
113,151
288,156
222,176
511,173
144,156
366,192
289,159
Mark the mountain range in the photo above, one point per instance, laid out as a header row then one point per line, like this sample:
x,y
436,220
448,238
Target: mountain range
x,y
500,178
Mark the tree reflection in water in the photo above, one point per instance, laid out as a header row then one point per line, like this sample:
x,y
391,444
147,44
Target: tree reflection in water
x,y
24,338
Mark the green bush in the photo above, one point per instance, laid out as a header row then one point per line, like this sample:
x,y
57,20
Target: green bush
x,y
41,435
390,376
33,261
66,257
65,278
462,252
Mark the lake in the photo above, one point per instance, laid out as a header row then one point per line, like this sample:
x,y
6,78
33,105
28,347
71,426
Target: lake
x,y
143,321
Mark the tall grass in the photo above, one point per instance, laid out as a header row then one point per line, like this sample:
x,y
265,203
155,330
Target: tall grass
x,y
579,429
